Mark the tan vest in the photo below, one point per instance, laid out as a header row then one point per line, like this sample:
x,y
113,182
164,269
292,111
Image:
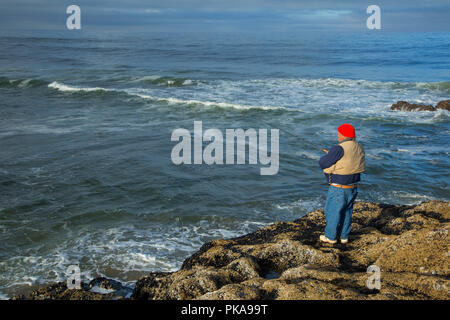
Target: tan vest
x,y
352,162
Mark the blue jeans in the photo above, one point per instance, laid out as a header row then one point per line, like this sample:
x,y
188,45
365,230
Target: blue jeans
x,y
338,212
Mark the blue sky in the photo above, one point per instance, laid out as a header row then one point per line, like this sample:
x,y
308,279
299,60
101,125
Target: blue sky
x,y
225,15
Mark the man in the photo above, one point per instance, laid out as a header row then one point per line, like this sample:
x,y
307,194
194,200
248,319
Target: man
x,y
342,166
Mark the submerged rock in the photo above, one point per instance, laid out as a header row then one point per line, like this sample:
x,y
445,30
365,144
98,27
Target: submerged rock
x,y
406,106
285,260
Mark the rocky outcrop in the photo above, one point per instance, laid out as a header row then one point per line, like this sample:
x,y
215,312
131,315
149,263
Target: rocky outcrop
x,y
406,106
285,260
444,105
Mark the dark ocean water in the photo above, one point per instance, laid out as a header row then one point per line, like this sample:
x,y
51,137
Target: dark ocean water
x,y
85,124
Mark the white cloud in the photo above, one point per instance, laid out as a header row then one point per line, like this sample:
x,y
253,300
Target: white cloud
x,y
318,14
152,11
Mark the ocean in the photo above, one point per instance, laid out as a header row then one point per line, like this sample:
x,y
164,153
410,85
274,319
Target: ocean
x,y
86,175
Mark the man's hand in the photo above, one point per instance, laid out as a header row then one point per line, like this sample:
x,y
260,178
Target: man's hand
x,y
326,151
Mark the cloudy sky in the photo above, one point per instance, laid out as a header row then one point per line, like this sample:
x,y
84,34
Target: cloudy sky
x,y
225,15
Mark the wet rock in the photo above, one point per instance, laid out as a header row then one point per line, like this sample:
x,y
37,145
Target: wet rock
x,y
285,260
104,286
97,289
408,243
405,106
445,104
59,291
105,283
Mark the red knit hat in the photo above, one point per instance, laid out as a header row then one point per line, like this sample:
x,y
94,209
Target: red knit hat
x,y
347,130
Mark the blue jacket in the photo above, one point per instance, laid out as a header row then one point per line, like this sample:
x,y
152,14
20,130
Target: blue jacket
x,y
334,154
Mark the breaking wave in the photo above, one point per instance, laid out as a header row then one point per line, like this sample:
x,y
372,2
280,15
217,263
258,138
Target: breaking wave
x,y
169,100
264,94
63,87
207,103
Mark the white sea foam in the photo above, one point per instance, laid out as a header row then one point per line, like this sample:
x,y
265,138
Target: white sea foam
x,y
417,151
62,87
296,209
169,100
355,98
207,103
148,78
97,289
403,197
307,154
160,80
4,296
118,250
